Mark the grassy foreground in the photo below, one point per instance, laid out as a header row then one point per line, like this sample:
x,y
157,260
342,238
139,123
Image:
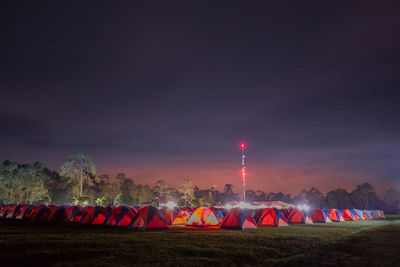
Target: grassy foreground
x,y
371,242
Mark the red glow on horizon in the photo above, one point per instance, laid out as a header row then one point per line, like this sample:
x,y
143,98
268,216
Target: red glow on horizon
x,y
242,145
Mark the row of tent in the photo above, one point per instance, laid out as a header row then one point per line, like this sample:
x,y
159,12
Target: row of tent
x,y
149,217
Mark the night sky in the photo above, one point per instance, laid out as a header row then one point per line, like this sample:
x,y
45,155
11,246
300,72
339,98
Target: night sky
x,y
168,89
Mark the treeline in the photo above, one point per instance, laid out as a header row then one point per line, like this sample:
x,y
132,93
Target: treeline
x,y
78,183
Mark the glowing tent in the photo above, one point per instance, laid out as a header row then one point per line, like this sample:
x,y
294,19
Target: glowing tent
x,y
258,213
181,218
375,214
218,213
367,213
320,216
336,215
299,216
148,217
359,214
170,214
238,219
120,216
381,214
202,217
271,217
349,215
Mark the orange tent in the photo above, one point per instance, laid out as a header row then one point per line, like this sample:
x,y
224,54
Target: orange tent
x,y
336,215
202,217
181,218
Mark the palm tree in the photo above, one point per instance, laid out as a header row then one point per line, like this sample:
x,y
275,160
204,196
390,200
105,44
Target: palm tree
x,y
79,168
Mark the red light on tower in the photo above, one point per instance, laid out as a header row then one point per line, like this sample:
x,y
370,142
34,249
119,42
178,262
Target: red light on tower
x,y
242,145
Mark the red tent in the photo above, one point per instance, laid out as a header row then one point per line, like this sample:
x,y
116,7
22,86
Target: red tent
x,y
320,216
299,216
238,219
94,215
272,217
349,215
336,216
40,213
148,217
12,211
202,217
20,214
170,214
4,210
58,214
121,216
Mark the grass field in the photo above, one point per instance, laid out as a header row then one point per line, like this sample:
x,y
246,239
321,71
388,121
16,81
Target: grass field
x,y
370,242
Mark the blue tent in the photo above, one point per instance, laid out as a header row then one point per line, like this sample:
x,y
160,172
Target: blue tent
x,y
375,213
359,213
368,213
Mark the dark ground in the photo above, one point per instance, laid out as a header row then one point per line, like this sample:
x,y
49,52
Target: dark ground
x,y
371,242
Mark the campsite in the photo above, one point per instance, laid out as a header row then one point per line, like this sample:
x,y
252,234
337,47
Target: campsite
x,y
125,235
347,243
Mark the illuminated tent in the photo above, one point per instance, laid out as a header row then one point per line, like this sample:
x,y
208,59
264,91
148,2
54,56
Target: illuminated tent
x,y
299,216
58,215
181,218
218,213
40,213
368,213
120,216
359,214
170,214
286,212
94,215
381,214
375,214
258,214
364,215
349,215
272,217
321,216
238,219
336,215
4,210
148,217
20,214
202,217
13,210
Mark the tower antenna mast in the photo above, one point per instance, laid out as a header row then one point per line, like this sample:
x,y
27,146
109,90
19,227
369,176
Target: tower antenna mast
x,y
244,173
